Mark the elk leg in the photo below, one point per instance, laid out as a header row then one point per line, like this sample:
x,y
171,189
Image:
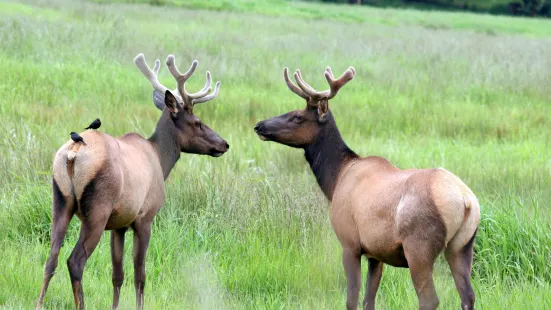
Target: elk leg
x,y
351,260
460,264
142,232
62,213
374,274
420,255
90,234
117,252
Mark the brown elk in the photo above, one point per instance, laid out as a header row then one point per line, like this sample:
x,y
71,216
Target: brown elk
x,y
403,218
119,183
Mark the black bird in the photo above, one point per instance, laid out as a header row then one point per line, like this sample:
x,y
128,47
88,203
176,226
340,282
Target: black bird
x,y
95,124
77,138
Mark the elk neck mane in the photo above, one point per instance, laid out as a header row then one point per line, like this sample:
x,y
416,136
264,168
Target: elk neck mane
x,y
164,142
328,155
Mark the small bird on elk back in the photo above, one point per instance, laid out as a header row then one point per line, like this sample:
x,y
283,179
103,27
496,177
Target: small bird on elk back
x,y
95,124
77,138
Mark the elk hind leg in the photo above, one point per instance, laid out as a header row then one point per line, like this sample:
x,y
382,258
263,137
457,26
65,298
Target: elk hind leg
x,y
421,255
62,213
117,252
421,260
460,261
90,234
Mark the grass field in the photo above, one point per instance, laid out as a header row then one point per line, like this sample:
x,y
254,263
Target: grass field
x,y
250,230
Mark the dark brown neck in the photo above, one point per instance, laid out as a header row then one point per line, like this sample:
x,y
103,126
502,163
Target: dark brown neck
x,y
328,155
164,140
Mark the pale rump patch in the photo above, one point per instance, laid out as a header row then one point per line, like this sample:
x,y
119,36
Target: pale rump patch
x,y
74,165
457,206
89,159
60,170
467,230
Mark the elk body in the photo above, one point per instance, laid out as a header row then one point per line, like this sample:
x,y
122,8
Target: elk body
x,y
118,183
403,218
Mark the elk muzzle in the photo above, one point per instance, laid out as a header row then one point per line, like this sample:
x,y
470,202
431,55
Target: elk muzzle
x,y
261,130
219,150
274,128
258,129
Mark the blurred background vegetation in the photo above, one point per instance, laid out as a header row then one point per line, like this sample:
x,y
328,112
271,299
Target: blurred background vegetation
x,y
251,230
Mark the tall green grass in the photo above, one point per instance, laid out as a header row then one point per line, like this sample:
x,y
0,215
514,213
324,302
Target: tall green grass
x,y
250,230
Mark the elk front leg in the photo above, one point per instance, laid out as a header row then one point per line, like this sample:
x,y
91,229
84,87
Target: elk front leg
x,y
117,253
142,233
351,260
374,274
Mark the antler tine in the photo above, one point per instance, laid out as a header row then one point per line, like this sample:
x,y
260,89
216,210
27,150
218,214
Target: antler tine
x,y
150,75
307,89
336,85
203,92
179,77
292,86
328,70
209,97
156,67
302,84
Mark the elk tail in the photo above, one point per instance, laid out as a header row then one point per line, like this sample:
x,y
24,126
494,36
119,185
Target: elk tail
x,y
470,201
71,155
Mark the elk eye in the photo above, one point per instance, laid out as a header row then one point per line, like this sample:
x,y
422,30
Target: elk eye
x,y
297,118
198,125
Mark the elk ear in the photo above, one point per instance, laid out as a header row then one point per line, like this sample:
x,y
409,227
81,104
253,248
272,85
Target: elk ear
x,y
158,100
323,109
171,103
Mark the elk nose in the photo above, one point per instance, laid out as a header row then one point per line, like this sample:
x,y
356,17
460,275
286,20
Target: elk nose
x,y
227,146
259,126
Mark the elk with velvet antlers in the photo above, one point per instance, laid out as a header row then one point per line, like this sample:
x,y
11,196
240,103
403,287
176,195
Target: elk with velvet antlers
x,y
119,183
403,218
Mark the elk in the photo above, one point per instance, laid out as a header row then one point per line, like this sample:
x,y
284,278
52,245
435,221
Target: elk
x,y
119,183
403,218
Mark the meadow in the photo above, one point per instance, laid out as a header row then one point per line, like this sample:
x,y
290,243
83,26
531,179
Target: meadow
x,y
251,230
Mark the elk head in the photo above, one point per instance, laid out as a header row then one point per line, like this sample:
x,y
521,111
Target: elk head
x,y
190,133
301,128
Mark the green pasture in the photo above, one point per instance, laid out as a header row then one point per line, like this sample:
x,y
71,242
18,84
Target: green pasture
x,y
251,230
